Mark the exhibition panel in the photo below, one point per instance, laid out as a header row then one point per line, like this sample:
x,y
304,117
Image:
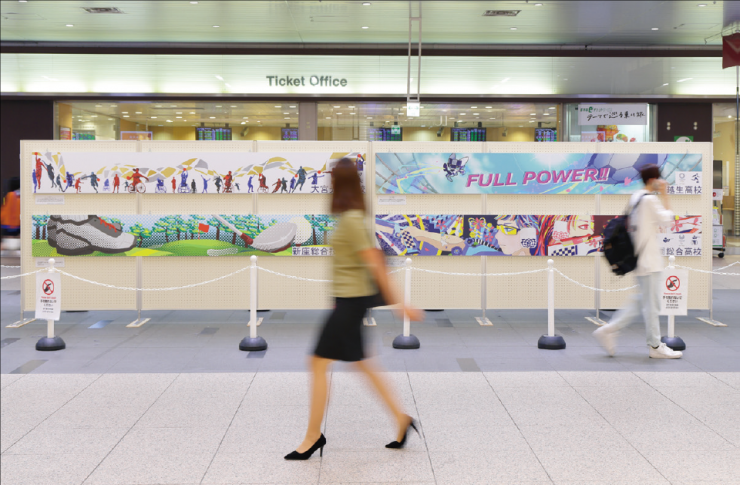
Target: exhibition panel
x,y
482,228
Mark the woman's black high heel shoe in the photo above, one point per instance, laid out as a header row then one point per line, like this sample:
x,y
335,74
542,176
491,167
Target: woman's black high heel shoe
x,y
402,443
319,445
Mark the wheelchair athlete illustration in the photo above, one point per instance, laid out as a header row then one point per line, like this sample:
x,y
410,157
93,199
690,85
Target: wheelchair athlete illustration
x,y
136,184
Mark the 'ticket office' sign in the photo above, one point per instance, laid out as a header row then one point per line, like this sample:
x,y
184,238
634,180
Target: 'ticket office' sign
x,y
302,81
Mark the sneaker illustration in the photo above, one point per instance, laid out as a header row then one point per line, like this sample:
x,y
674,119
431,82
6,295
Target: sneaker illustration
x,y
77,235
664,352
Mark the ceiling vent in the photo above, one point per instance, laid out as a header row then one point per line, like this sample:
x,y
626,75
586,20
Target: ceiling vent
x,y
501,13
102,10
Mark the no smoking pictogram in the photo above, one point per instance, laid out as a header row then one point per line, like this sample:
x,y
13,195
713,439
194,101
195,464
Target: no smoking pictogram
x,y
48,287
673,283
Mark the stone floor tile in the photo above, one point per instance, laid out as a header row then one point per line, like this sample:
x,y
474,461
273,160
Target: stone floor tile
x,y
598,464
150,469
46,440
602,379
278,439
394,466
526,379
54,469
261,467
711,466
163,441
485,467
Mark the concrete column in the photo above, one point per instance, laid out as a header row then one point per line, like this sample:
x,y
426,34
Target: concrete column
x,y
307,121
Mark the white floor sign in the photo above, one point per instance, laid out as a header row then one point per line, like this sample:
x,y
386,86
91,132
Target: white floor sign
x,y
48,295
674,291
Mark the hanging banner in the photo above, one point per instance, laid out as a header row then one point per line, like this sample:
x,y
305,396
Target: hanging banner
x,y
48,295
187,173
530,173
181,235
615,114
674,291
515,235
731,50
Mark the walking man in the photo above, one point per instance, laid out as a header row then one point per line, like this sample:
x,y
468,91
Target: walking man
x,y
647,214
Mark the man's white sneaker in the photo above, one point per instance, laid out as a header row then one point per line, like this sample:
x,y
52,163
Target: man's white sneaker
x,y
664,352
607,338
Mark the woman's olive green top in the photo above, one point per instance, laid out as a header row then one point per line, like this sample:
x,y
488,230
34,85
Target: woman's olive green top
x,y
352,277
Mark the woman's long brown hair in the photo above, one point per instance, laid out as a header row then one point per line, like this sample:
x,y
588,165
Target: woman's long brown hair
x,y
347,189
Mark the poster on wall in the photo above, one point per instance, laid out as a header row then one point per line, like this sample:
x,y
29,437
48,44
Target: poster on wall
x,y
516,235
65,133
187,173
181,235
526,173
136,135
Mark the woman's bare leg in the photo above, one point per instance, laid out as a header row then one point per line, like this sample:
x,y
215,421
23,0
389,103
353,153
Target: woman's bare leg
x,y
386,393
319,366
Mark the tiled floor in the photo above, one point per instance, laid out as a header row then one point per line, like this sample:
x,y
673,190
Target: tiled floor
x,y
176,402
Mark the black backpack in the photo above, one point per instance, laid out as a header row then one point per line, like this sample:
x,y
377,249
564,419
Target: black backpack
x,y
618,247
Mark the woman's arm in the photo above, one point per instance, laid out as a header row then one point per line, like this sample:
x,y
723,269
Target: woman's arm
x,y
375,261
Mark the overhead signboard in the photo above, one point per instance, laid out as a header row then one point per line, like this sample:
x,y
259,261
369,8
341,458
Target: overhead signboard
x,y
612,114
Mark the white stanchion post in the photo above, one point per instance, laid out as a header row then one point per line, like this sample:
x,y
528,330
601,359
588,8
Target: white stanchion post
x,y
406,340
51,342
551,341
675,343
253,342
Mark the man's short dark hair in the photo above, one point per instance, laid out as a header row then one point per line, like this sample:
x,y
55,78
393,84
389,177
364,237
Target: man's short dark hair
x,y
649,171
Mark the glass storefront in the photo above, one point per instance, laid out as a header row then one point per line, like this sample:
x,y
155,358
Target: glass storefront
x,y
612,129
176,120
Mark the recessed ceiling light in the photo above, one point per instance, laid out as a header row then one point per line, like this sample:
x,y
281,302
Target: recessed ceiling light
x,y
655,28
685,79
98,105
489,107
114,106
337,106
93,116
491,118
369,117
219,106
291,106
286,113
531,121
193,3
366,4
729,116
473,107
138,112
702,5
213,117
552,107
125,116
233,106
665,84
537,4
505,80
328,117
178,116
216,26
365,27
246,118
70,25
351,113
169,121
192,112
243,123
339,113
278,106
286,118
512,28
463,113
154,117
533,114
22,1
475,114
124,112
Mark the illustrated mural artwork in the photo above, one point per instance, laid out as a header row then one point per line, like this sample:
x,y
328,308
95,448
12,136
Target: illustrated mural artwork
x,y
531,173
516,235
187,173
181,235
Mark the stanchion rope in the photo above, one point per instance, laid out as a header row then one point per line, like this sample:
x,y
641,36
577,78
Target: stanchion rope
x,y
591,288
4,266
21,275
708,272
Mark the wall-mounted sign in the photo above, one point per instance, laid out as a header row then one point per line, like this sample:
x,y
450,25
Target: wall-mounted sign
x,y
303,81
613,114
531,173
683,139
187,173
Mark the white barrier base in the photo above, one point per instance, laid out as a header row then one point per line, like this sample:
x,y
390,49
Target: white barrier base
x,y
259,322
20,323
138,322
596,321
483,321
369,322
714,323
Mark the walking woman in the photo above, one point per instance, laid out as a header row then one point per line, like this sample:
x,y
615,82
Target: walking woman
x,y
360,282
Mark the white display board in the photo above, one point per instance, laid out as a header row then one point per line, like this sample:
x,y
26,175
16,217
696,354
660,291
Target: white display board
x,y
276,292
